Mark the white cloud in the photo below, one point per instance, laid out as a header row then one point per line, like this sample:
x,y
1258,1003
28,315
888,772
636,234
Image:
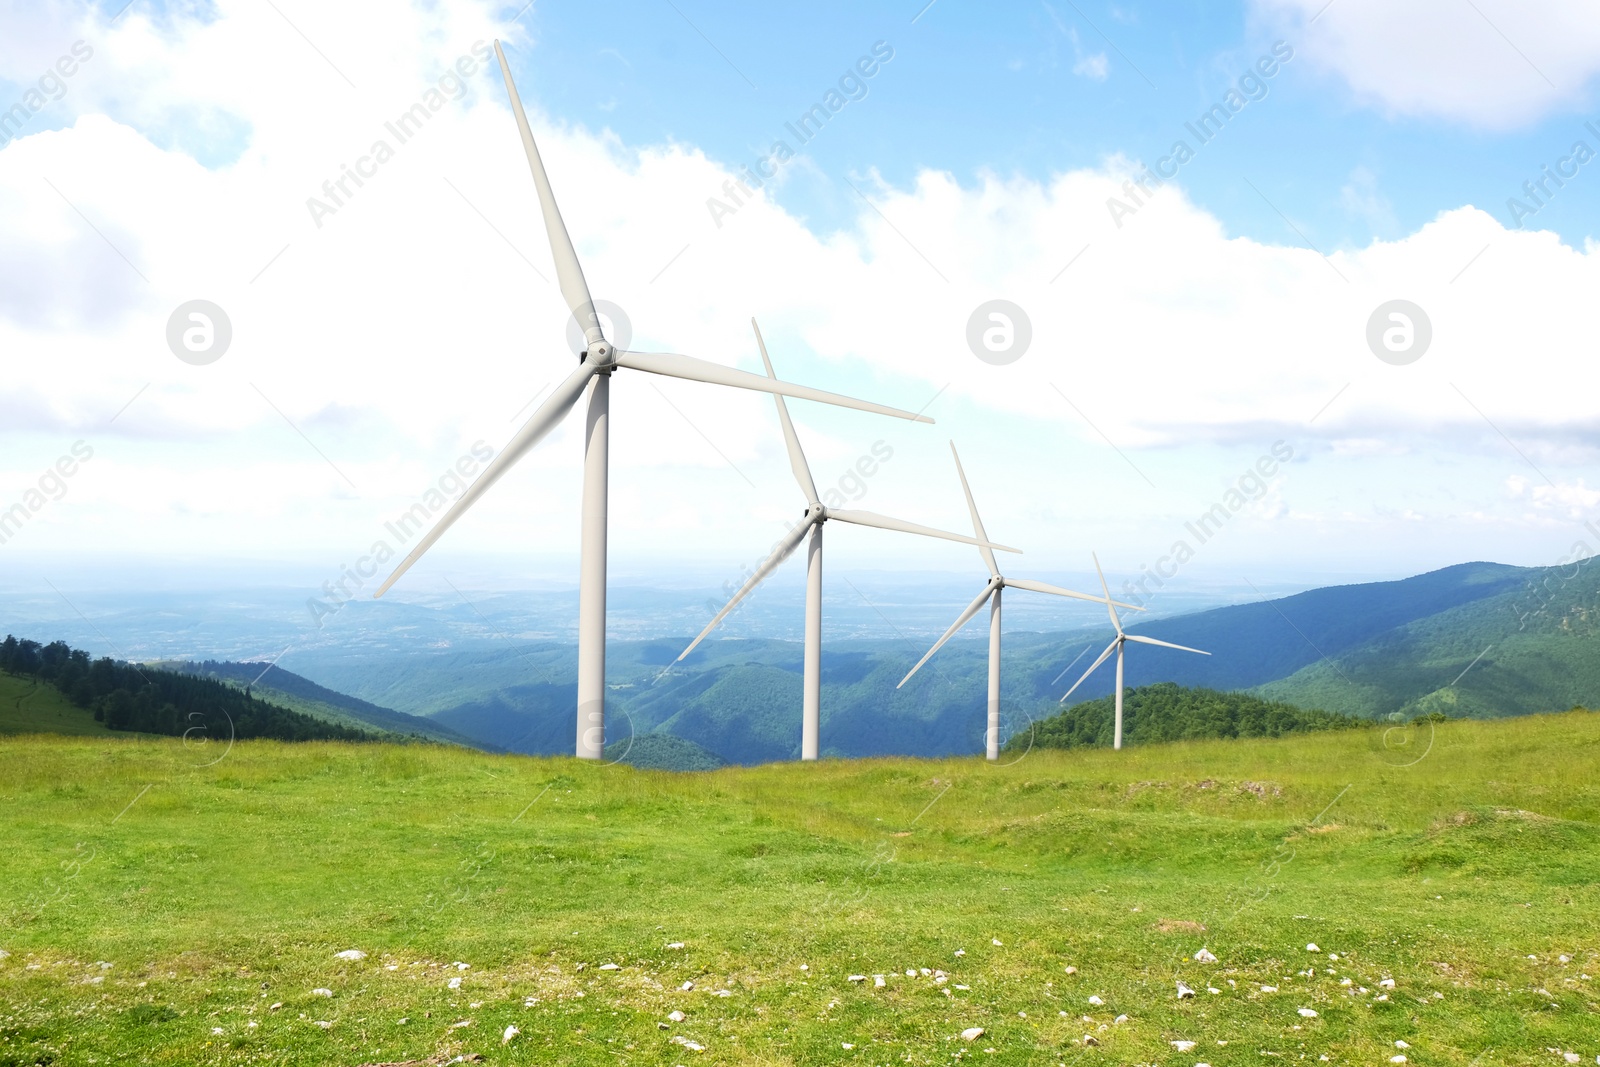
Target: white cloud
x,y
1488,63
1094,67
1574,500
414,320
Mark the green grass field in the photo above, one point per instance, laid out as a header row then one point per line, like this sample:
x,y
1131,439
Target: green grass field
x,y
27,706
163,911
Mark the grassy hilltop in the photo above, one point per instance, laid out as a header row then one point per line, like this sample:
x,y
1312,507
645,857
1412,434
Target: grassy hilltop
x,y
157,910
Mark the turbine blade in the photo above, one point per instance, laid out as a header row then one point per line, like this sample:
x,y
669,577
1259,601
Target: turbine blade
x,y
977,523
785,549
797,458
1164,644
961,620
568,272
1043,587
540,423
1112,647
883,522
1113,611
699,370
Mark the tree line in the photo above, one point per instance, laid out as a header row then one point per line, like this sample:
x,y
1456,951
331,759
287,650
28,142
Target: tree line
x,y
1170,712
125,696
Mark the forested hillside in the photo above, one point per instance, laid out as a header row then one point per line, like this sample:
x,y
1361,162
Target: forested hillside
x,y
127,697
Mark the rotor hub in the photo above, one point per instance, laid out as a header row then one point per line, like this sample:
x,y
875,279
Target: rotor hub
x,y
600,353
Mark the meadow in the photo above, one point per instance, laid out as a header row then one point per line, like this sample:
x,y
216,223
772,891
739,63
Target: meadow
x,y
187,904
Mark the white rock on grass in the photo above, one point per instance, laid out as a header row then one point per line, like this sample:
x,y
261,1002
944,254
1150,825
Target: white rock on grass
x,y
1308,1013
692,1046
1312,947
455,983
972,1033
685,987
878,981
1184,992
1401,1045
1387,983
856,978
350,954
1269,989
677,1016
1119,1020
996,942
321,992
1397,1059
1571,1057
1213,990
1182,1046
1096,1001
961,952
722,992
511,1032
610,967
1205,956
1090,1039
675,944
1069,970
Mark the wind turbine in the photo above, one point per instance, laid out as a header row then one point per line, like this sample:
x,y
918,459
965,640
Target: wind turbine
x,y
597,363
1116,646
815,516
991,593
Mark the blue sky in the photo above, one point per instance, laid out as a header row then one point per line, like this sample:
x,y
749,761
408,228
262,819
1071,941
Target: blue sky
x,y
976,88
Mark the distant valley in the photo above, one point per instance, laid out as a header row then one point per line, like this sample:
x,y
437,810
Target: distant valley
x,y
1476,640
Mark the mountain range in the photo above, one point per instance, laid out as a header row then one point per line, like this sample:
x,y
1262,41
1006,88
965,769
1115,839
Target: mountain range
x,y
1476,639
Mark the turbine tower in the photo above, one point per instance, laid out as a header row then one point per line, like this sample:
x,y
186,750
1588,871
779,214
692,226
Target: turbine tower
x,y
991,594
815,516
1116,646
597,363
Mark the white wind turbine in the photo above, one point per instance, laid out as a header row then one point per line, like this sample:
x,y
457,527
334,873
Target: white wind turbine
x,y
991,594
815,516
1116,646
596,364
